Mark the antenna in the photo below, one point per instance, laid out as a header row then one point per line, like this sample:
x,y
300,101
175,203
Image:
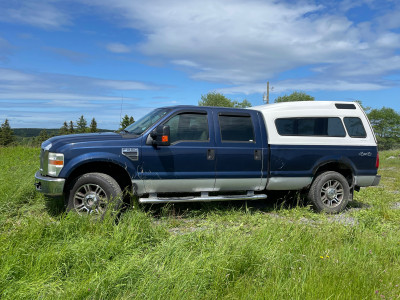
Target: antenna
x,y
120,114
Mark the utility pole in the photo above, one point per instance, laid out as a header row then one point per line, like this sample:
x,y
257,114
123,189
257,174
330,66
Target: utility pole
x,y
266,97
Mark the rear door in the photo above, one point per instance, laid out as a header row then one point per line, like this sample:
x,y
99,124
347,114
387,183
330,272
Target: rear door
x,y
239,152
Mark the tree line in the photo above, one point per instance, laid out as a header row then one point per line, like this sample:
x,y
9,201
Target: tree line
x,y
7,136
385,121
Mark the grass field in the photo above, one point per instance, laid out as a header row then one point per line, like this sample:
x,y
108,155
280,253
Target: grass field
x,y
257,250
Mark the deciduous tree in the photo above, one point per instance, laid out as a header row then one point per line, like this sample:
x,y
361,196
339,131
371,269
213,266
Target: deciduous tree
x,y
217,99
295,96
386,124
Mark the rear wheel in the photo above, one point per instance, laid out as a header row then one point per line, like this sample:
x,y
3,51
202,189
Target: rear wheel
x,y
94,193
330,192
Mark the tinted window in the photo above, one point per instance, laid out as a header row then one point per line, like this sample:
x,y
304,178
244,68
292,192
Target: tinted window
x,y
236,128
355,127
188,127
345,106
332,127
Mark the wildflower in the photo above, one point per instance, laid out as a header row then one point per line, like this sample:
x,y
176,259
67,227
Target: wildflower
x,y
322,257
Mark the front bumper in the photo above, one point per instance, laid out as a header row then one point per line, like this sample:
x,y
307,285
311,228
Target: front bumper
x,y
49,185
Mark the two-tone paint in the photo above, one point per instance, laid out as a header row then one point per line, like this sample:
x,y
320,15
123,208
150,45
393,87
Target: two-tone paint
x,y
270,161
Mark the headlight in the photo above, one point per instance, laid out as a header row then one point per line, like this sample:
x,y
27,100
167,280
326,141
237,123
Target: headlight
x,y
56,163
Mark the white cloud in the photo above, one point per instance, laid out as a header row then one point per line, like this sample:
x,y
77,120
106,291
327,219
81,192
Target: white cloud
x,y
39,13
244,42
185,63
13,75
56,97
288,86
18,85
125,85
118,48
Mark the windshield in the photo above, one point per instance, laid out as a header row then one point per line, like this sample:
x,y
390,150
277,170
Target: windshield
x,y
147,121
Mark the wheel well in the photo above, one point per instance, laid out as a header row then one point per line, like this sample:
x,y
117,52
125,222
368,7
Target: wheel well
x,y
115,171
341,168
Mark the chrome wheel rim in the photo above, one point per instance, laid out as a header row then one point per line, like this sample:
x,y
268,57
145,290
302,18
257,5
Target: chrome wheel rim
x,y
332,193
90,199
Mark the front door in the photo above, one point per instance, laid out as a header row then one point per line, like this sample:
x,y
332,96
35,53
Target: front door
x,y
187,164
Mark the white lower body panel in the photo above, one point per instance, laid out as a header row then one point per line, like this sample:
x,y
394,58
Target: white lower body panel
x,y
142,187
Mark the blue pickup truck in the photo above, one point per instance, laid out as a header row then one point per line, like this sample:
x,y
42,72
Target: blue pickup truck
x,y
190,153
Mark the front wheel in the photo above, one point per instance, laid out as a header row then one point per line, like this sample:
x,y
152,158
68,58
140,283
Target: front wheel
x,y
94,193
330,192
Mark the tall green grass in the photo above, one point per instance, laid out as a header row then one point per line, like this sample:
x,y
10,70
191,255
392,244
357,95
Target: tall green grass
x,y
198,251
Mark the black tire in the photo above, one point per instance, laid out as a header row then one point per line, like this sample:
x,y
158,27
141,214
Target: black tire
x,y
94,193
330,192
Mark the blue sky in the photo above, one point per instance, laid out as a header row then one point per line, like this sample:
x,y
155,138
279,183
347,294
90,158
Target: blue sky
x,y
62,59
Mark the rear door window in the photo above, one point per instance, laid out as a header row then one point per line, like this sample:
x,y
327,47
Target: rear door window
x,y
236,128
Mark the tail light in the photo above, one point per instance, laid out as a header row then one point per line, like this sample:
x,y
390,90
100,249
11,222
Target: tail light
x,y
377,160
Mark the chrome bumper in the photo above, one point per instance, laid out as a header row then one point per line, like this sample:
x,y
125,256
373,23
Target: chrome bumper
x,y
364,181
376,180
49,185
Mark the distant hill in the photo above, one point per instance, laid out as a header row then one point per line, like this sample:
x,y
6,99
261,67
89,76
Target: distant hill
x,y
33,132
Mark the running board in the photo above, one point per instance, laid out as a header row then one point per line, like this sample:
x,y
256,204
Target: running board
x,y
203,198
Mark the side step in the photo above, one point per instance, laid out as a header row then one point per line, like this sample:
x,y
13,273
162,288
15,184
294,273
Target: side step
x,y
203,198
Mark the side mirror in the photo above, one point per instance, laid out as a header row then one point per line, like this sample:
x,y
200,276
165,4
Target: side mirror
x,y
161,136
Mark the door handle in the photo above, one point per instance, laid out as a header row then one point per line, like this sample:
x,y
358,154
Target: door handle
x,y
257,154
210,154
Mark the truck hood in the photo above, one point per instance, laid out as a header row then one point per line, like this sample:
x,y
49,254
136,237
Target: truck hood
x,y
59,141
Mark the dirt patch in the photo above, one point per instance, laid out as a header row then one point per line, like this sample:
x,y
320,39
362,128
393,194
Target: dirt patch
x,y
396,205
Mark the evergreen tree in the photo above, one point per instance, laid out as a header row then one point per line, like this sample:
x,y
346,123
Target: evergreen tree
x,y
71,128
126,121
81,125
64,129
93,126
6,134
43,136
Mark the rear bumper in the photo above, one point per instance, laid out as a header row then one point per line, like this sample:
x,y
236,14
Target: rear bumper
x,y
376,180
49,185
364,181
